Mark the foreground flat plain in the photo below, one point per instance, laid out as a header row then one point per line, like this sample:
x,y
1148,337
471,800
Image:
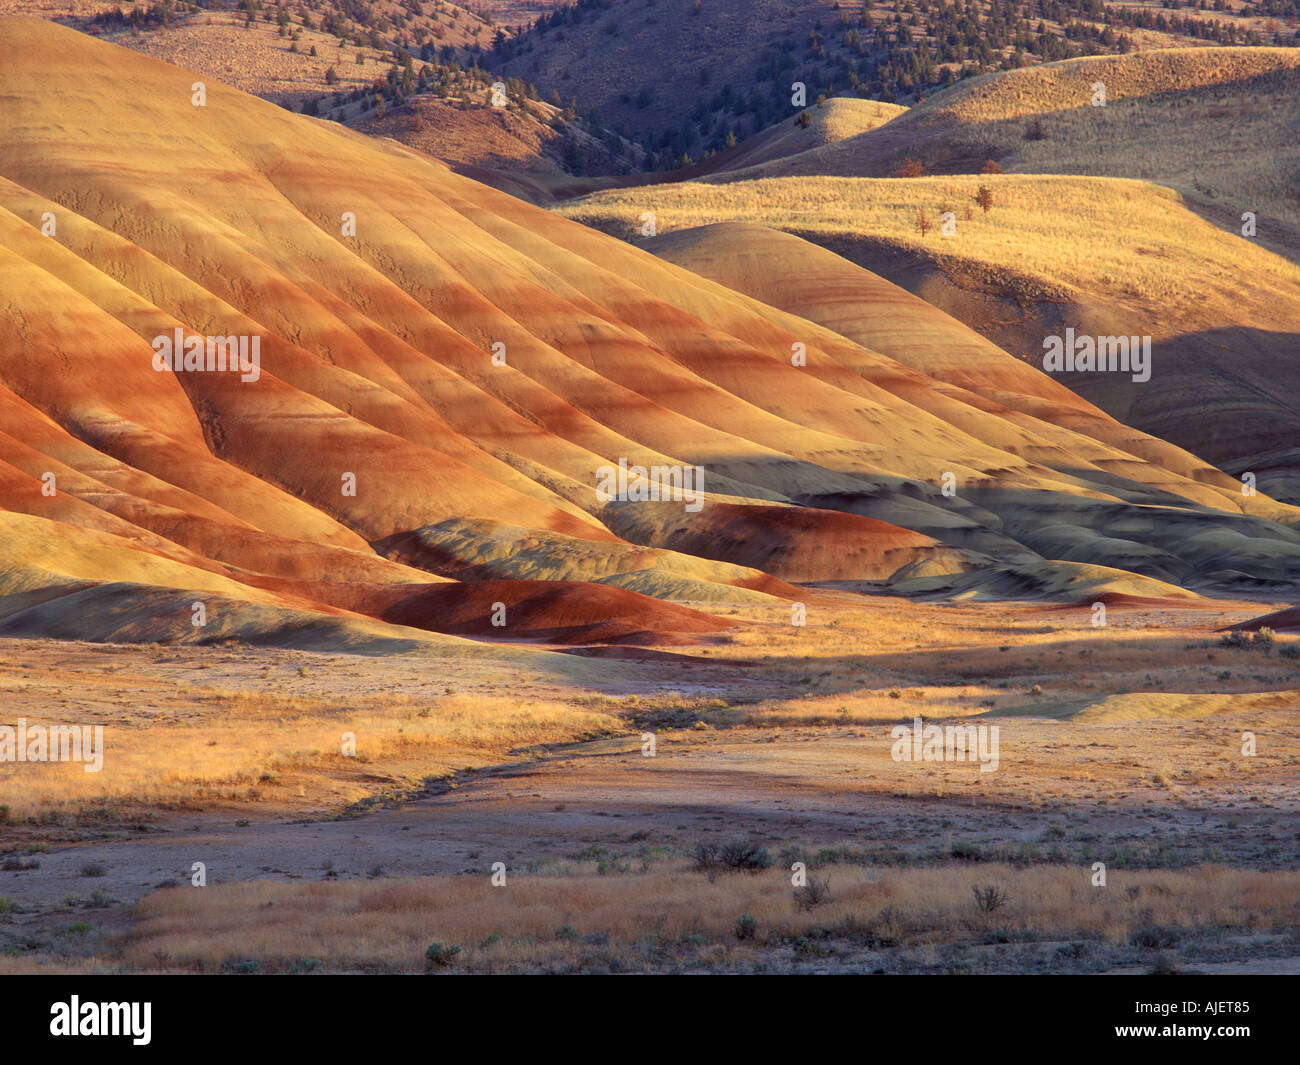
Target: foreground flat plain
x,y
1120,745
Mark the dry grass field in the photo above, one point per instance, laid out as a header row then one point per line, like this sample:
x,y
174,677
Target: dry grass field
x,y
1118,744
1156,253
226,729
662,914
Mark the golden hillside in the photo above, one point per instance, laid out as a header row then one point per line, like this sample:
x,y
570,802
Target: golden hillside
x,y
379,445
1219,125
1222,311
835,120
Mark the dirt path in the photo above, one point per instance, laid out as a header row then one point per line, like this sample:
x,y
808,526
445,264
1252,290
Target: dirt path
x,y
793,792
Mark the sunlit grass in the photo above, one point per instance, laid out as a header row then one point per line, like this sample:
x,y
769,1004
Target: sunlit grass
x,y
670,914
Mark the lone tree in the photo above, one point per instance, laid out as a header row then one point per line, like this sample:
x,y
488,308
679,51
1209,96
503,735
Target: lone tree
x,y
984,197
923,222
911,168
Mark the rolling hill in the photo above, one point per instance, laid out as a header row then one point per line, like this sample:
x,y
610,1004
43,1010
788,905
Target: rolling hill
x,y
445,371
1218,125
684,74
1221,311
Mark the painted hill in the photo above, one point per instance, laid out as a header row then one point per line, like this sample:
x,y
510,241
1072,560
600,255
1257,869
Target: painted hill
x,y
379,451
1221,311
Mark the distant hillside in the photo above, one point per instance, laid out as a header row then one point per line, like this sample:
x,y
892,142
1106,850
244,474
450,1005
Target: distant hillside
x,y
834,120
513,14
525,137
294,57
411,25
1220,125
683,76
821,124
353,65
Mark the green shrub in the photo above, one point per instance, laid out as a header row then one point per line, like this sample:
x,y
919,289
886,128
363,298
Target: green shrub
x,y
440,956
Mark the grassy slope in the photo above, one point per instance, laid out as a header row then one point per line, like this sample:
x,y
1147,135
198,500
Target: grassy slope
x,y
1111,255
1219,125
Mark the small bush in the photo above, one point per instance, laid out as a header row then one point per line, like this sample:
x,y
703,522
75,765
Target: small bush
x,y
440,956
1155,937
989,899
745,857
1261,640
813,893
746,927
734,857
911,168
809,947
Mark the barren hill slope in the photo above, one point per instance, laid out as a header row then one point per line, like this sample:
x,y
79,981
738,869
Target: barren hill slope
x,y
379,427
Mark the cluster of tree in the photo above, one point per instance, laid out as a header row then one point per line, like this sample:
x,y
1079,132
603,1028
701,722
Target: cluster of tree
x,y
155,15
